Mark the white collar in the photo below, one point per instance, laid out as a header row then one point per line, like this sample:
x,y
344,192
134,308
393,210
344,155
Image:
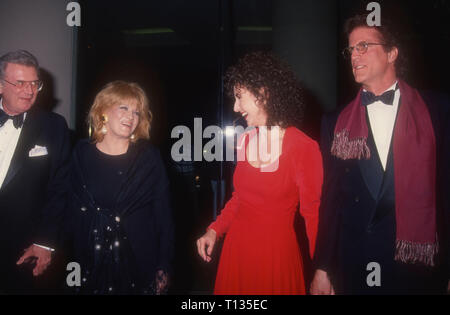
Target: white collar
x,y
1,107
391,88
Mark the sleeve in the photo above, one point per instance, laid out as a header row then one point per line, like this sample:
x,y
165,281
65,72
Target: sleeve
x,y
223,221
164,216
327,234
49,230
309,177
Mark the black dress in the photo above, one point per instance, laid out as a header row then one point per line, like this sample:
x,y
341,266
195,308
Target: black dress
x,y
119,219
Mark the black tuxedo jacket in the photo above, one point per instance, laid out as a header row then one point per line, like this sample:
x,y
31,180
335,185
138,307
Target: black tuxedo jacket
x,y
357,214
33,194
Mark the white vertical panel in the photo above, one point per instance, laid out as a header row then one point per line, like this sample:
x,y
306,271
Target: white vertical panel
x,y
39,26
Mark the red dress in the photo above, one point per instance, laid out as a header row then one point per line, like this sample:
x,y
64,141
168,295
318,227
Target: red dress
x,y
260,254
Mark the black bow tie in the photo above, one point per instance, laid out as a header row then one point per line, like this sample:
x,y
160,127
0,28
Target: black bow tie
x,y
368,98
17,120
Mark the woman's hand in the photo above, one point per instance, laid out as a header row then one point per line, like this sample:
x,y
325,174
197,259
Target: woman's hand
x,y
161,282
321,284
205,244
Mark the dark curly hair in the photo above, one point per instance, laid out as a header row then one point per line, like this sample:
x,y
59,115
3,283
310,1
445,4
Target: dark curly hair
x,y
389,35
274,85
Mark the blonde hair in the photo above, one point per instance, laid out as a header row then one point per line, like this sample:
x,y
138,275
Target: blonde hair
x,y
115,93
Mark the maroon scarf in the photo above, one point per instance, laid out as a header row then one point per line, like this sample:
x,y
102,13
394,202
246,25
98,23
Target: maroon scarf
x,y
414,170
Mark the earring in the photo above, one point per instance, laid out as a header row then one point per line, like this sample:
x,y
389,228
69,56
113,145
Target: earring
x,y
132,137
104,121
90,128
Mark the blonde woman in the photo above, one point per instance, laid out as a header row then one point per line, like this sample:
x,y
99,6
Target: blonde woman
x,y
119,215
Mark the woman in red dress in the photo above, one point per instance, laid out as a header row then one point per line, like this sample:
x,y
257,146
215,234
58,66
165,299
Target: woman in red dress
x,y
260,254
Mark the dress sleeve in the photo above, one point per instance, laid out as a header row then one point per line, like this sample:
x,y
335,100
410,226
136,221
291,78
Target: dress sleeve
x,y
223,221
309,178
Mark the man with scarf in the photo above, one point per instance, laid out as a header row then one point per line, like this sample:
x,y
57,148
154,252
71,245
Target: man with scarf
x,y
386,182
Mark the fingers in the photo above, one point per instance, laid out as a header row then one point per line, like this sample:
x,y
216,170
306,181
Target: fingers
x,y
162,282
161,287
321,291
205,247
321,284
38,270
41,265
201,248
315,291
21,260
26,255
210,247
44,259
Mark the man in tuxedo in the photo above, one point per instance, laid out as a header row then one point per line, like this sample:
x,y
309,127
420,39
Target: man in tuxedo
x,y
34,155
386,189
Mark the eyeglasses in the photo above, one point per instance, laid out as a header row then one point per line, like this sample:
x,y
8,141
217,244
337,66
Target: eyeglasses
x,y
361,48
36,86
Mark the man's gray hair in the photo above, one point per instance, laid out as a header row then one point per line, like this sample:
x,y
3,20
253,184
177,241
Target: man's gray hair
x,y
21,57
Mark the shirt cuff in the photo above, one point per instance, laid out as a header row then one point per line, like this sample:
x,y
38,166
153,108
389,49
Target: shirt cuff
x,y
44,247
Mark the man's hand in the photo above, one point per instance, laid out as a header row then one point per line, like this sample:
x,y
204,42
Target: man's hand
x,y
321,284
42,257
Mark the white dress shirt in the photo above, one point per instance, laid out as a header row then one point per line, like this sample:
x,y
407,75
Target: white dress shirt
x,y
9,136
382,120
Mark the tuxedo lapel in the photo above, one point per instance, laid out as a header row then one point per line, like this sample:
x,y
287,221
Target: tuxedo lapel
x,y
371,169
389,174
386,198
27,140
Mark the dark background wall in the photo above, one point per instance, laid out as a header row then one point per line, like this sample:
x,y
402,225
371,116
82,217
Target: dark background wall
x,y
40,27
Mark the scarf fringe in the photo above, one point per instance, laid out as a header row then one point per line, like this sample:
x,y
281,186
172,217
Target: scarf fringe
x,y
345,149
416,253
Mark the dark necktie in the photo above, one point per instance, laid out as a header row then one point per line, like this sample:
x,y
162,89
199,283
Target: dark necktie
x,y
368,98
17,120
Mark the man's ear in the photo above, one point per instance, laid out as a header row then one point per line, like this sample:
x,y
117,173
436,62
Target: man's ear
x,y
1,87
392,55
